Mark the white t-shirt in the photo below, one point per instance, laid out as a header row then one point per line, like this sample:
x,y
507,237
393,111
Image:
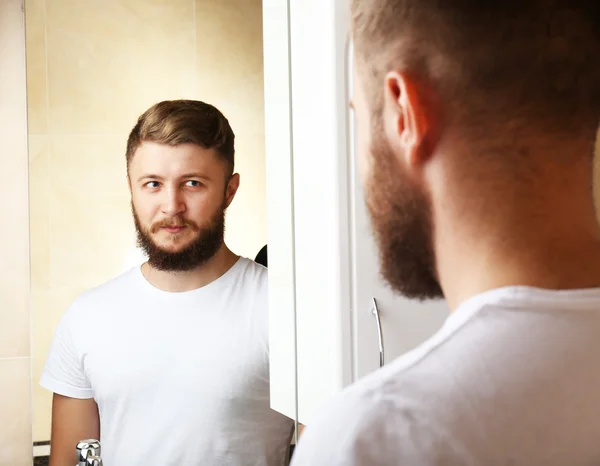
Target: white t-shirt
x,y
512,378
179,378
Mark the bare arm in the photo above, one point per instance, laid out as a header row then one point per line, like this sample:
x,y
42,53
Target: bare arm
x,y
72,420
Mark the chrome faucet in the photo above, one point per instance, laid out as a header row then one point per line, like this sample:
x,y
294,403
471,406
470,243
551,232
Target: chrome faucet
x,y
88,453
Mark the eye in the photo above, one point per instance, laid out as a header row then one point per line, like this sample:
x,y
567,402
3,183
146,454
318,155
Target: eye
x,y
152,184
193,183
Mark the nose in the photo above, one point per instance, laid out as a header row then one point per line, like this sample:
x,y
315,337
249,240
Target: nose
x,y
173,202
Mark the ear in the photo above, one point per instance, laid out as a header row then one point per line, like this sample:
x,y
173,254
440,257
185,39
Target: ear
x,y
232,187
407,117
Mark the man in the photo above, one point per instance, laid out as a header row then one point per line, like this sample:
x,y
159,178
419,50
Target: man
x,y
168,363
476,126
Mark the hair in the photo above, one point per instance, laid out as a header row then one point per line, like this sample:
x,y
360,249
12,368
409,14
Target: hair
x,y
174,122
533,65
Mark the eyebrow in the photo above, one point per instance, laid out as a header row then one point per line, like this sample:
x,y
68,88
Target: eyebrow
x,y
161,178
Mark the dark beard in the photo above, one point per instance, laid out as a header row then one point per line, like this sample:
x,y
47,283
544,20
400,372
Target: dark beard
x,y
199,251
402,226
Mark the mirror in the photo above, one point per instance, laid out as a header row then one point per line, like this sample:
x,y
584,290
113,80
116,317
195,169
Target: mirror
x,y
92,69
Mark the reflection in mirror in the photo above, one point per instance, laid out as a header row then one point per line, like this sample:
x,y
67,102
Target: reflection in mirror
x,y
171,355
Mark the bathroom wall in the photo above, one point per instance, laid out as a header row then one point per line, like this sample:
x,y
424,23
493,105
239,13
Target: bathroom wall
x,y
93,67
15,360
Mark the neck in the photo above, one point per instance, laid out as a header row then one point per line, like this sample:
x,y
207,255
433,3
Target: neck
x,y
189,280
541,233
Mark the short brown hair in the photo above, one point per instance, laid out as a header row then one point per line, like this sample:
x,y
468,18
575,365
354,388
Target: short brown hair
x,y
174,122
529,63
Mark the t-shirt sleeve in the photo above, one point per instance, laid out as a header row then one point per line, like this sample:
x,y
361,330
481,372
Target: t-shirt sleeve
x,y
63,372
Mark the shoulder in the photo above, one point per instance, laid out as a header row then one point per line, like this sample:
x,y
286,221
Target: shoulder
x,y
252,274
409,412
99,297
369,424
416,410
252,268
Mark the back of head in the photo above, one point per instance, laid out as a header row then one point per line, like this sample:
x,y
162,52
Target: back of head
x,y
527,65
174,122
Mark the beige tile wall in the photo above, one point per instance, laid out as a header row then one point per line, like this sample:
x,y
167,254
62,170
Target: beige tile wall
x,y
15,360
93,67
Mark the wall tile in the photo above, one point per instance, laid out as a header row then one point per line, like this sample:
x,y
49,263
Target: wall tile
x,y
13,103
109,61
14,244
39,213
37,99
230,69
90,216
15,412
42,410
15,374
14,254
243,42
48,307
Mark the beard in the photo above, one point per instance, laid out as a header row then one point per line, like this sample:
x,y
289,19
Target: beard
x,y
197,252
402,225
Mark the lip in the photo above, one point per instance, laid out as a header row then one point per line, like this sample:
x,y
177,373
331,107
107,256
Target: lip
x,y
173,230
